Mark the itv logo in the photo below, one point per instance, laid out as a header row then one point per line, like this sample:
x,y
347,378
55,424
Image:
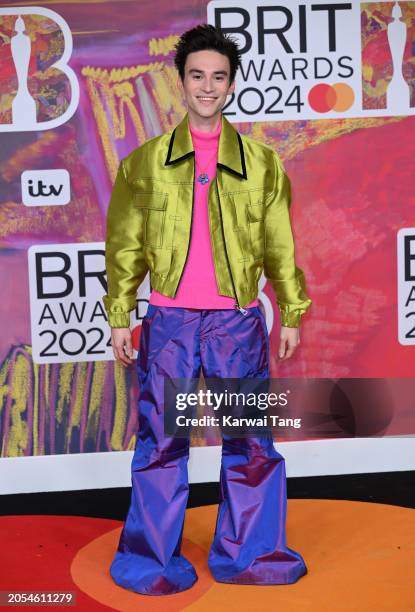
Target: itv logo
x,y
45,187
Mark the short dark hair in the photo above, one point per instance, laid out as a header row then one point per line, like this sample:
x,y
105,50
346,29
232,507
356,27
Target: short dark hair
x,y
206,36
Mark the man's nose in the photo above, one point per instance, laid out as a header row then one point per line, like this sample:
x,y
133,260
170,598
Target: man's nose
x,y
208,86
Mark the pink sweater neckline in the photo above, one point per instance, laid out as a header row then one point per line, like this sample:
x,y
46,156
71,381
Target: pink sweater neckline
x,y
205,140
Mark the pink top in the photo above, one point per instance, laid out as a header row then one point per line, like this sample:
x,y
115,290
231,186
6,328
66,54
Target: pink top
x,y
197,288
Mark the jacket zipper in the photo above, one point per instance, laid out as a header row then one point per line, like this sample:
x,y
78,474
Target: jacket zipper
x,y
237,306
191,225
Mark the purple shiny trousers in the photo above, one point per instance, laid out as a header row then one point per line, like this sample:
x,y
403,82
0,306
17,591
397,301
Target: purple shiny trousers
x,y
249,545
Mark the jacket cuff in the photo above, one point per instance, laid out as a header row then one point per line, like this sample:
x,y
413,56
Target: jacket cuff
x,y
290,319
119,319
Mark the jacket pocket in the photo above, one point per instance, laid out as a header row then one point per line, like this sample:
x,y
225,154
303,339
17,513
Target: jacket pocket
x,y
152,206
255,214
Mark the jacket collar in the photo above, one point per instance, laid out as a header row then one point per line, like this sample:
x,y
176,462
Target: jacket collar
x,y
230,151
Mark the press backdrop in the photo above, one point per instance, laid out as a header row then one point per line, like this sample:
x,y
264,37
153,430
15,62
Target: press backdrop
x,y
82,84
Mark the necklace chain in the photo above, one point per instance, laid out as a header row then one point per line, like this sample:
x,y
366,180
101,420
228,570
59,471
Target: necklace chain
x,y
203,177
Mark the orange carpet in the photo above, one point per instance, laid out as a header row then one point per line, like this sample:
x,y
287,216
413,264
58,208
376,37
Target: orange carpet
x,y
360,556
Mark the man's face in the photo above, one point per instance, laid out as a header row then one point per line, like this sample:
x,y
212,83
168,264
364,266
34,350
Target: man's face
x,y
206,83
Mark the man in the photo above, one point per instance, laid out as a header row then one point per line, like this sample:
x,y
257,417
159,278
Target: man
x,y
205,210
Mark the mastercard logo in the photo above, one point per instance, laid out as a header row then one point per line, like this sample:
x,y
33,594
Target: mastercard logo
x,y
323,98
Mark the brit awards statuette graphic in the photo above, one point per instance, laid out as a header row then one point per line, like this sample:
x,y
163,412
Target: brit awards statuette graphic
x,y
39,90
23,105
398,94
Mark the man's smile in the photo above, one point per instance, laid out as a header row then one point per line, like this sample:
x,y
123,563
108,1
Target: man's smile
x,y
206,98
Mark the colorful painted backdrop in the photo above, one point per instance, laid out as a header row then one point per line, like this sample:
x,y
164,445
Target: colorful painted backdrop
x,y
352,191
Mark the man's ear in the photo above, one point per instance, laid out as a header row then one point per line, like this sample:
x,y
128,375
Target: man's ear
x,y
179,83
231,88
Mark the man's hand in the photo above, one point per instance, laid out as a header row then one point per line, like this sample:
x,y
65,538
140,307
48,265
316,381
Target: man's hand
x,y
289,340
122,345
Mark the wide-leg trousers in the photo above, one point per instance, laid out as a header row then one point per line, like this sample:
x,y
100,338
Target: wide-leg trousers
x,y
249,544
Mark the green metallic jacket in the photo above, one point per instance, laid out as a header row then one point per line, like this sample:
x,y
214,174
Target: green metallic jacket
x,y
149,223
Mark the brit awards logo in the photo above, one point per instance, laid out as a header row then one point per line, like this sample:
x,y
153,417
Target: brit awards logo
x,y
68,318
406,285
39,90
317,60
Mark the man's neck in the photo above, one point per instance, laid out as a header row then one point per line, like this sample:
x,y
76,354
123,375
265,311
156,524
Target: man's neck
x,y
204,124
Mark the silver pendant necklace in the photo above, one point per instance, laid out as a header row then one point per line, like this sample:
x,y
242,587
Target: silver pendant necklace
x,y
203,177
